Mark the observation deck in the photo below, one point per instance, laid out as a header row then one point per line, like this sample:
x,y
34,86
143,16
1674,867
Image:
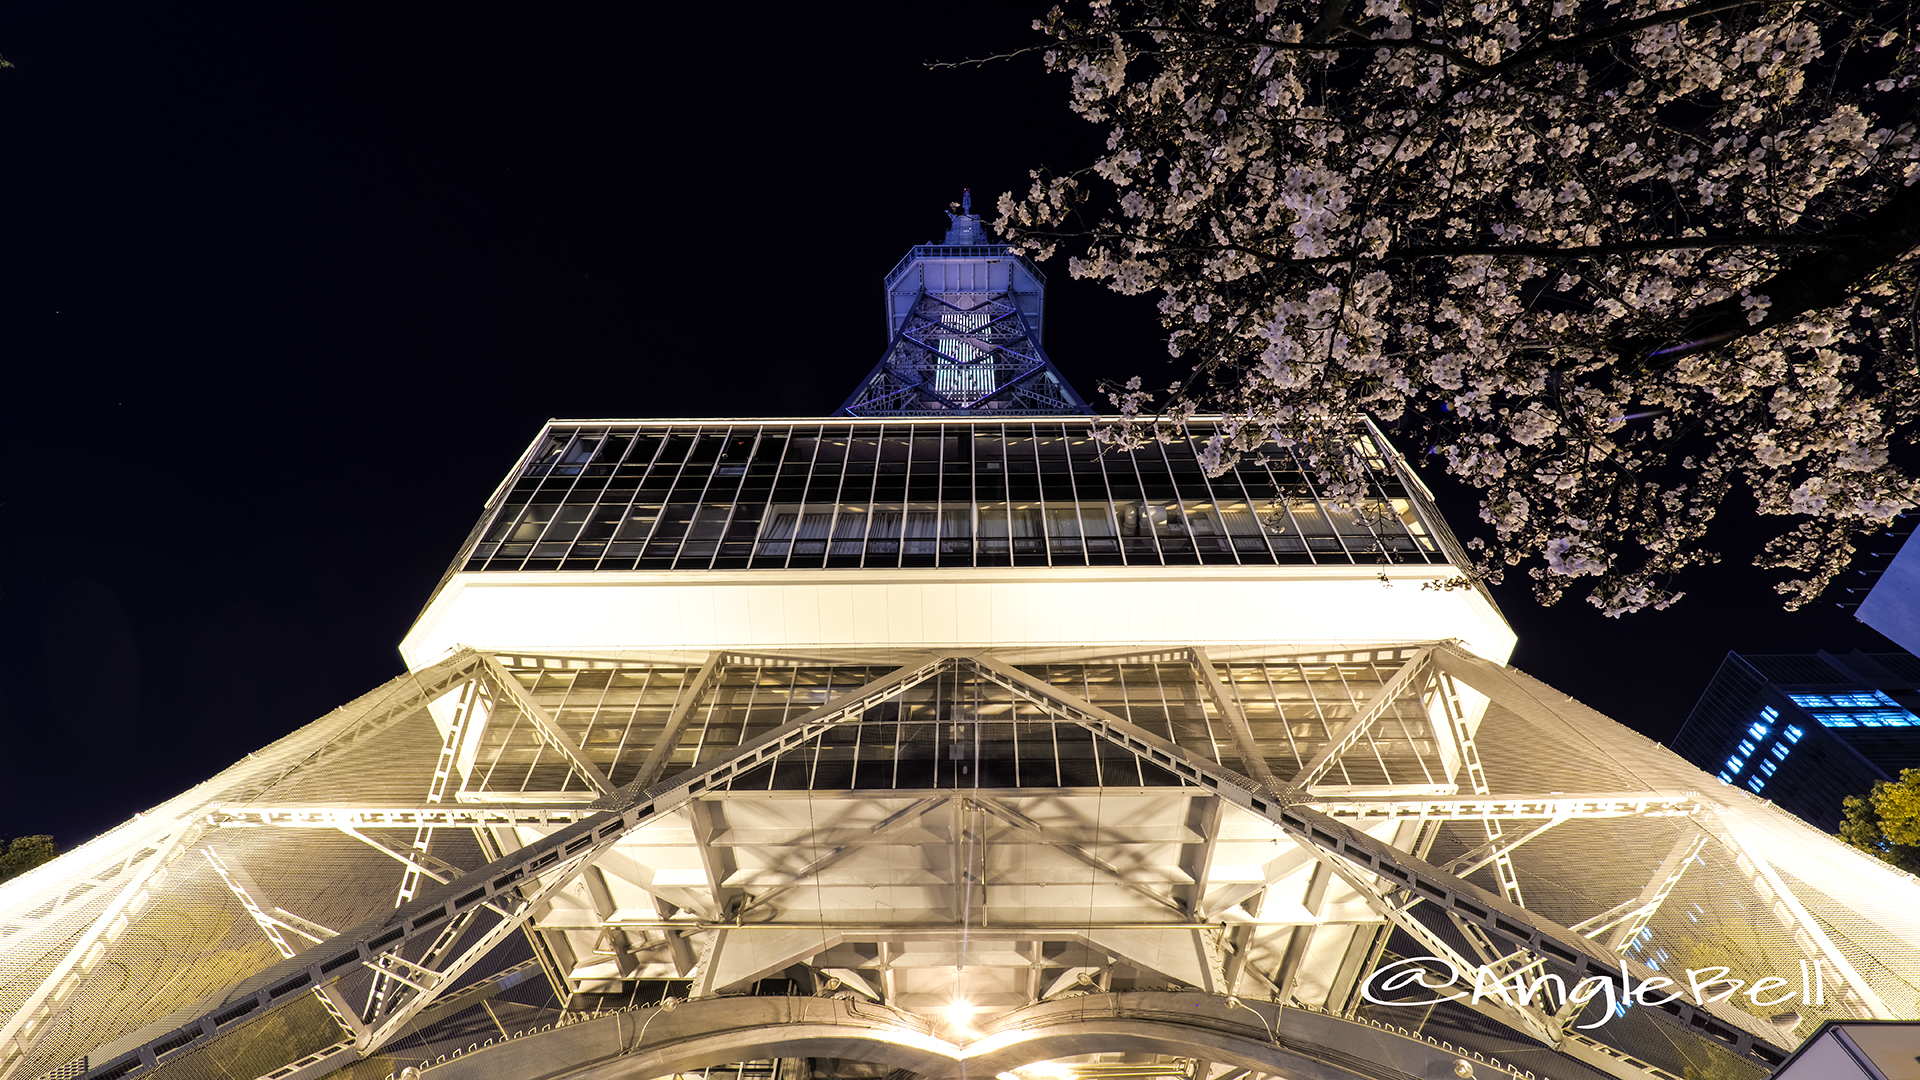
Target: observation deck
x,y
938,533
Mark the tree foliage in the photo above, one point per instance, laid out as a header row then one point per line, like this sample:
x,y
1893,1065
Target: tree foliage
x,y
24,853
1885,822
1607,260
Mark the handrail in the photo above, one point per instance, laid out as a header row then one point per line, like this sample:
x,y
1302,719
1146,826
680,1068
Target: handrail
x,y
959,251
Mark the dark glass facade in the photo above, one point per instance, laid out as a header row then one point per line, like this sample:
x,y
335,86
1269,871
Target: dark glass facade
x,y
1806,731
837,494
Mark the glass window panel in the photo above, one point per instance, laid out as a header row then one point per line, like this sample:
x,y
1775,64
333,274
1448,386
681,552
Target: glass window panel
x,y
894,450
810,535
849,530
1020,457
1135,521
1170,525
1050,447
674,519
1063,521
830,449
503,523
1314,528
798,460
922,527
993,528
549,452
604,521
956,530
709,522
675,449
883,532
638,521
861,451
776,536
534,521
988,451
1097,527
560,533
645,445
1024,522
1240,523
926,452
612,449
706,448
1202,525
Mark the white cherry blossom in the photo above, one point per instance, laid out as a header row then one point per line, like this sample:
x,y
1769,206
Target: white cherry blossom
x,y
1607,261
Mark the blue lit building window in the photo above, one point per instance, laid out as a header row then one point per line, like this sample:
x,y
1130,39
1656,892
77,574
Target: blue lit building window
x,y
1781,750
1866,709
1756,783
1726,777
1735,764
1793,733
1768,767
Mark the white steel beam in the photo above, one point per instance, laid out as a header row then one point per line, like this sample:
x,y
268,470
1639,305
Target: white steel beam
x,y
1236,720
441,816
400,1013
1512,807
1822,941
271,924
656,760
1114,874
1656,890
550,861
414,859
1497,847
1492,914
878,834
544,724
1363,720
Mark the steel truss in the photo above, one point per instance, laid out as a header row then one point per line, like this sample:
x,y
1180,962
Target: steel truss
x,y
422,948
138,856
982,359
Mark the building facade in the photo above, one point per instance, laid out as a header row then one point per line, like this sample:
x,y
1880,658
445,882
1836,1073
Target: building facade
x,y
1892,602
943,738
1807,731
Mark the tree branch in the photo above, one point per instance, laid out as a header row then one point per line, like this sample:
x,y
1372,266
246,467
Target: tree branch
x,y
1621,29
1410,254
1852,254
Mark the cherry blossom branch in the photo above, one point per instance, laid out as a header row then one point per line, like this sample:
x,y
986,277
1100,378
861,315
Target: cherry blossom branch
x,y
1852,254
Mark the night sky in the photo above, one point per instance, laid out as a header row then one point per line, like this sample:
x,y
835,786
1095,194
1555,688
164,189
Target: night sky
x,y
287,289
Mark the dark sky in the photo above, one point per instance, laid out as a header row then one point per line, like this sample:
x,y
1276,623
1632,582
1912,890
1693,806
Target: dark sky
x,y
287,288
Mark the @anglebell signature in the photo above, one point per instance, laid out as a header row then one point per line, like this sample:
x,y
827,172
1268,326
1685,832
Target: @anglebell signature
x,y
1703,986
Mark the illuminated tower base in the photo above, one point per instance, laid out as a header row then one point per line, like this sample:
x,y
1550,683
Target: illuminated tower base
x,y
949,745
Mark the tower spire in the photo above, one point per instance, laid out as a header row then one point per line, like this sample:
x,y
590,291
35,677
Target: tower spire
x,y
964,321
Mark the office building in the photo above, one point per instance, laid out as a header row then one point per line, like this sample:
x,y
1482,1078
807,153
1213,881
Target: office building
x,y
1807,731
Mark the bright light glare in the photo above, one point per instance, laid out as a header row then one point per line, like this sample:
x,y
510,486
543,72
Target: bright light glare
x,y
959,1013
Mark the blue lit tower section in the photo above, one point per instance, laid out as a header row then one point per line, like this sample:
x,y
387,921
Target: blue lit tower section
x,y
964,320
1807,731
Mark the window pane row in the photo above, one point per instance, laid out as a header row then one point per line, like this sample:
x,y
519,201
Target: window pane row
x,y
826,495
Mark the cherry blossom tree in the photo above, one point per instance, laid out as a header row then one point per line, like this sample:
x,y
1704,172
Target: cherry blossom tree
x,y
1606,261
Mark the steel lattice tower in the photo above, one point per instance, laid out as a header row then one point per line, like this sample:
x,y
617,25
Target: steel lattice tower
x,y
942,738
963,327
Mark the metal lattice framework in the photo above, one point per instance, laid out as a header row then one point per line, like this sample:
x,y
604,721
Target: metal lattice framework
x,y
953,838
964,354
